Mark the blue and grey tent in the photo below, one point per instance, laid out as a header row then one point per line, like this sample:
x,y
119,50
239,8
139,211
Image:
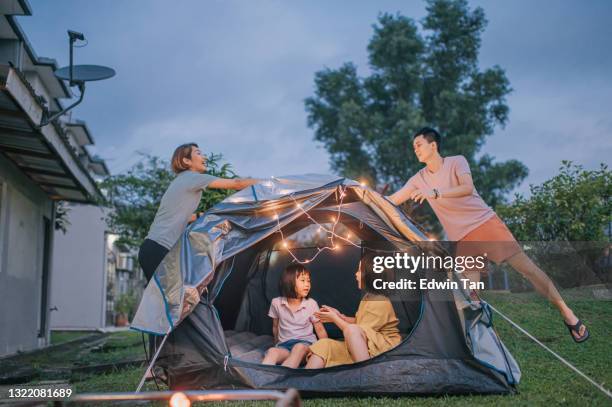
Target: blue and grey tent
x,y
212,292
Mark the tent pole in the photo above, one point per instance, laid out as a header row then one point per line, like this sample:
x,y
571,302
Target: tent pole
x,y
153,359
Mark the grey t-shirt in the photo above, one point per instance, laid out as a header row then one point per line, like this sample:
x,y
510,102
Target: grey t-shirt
x,y
177,205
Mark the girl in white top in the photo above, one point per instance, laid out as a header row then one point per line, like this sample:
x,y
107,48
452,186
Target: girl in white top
x,y
293,321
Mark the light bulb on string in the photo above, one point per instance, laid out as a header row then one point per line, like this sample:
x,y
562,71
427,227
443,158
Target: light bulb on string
x,y
332,233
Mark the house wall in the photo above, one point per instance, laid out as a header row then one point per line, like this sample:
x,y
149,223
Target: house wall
x,y
79,273
22,207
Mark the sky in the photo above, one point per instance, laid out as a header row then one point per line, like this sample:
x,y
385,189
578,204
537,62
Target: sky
x,y
233,75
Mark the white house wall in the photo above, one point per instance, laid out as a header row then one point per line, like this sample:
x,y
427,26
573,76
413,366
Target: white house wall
x,y
22,237
78,289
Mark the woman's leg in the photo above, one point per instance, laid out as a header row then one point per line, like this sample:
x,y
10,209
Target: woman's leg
x,y
315,362
275,356
297,355
543,285
150,256
357,343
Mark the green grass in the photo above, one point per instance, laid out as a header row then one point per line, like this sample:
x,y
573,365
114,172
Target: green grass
x,y
545,380
58,337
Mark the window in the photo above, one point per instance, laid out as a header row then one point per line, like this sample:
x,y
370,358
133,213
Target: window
x,y
125,262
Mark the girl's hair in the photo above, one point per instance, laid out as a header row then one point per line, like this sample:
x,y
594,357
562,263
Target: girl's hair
x,y
287,280
182,151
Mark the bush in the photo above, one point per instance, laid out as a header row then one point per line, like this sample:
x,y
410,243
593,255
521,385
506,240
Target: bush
x,y
573,206
126,304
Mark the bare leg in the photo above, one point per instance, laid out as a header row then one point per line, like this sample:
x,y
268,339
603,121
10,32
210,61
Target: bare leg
x,y
298,353
274,356
356,341
543,285
315,362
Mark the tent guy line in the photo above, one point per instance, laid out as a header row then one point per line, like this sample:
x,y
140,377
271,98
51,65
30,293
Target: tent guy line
x,y
565,362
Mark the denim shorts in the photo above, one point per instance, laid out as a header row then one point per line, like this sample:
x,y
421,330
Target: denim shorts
x,y
291,343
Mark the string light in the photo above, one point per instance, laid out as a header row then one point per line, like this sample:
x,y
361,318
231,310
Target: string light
x,y
332,234
179,399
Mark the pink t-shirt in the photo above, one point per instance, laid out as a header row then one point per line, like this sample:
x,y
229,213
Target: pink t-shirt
x,y
294,325
458,216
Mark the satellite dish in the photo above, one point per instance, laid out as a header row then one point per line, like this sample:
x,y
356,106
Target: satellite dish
x,y
85,73
76,75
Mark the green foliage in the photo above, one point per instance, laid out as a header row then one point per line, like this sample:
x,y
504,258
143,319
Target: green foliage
x,y
126,304
134,196
567,218
417,77
574,205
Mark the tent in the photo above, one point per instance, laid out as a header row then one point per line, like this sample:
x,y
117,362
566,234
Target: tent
x,y
211,295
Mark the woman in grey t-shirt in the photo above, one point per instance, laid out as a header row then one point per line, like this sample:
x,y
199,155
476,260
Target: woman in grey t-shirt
x,y
179,202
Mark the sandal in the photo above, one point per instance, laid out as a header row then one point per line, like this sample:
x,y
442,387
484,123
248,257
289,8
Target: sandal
x,y
576,329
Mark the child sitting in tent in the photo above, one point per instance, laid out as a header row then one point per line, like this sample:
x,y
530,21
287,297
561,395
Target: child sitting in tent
x,y
293,319
372,331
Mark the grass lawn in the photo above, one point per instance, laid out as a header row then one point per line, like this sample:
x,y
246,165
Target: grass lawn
x,y
58,337
545,380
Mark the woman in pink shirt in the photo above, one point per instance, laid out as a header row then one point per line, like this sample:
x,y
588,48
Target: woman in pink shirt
x,y
446,183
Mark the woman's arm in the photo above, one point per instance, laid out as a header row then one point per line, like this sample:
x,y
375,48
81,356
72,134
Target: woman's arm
x,y
232,183
326,315
350,320
320,330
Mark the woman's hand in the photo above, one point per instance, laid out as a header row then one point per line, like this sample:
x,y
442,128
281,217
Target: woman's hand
x,y
331,309
327,315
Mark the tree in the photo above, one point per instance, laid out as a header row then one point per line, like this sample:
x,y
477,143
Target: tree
x,y
428,77
567,218
134,196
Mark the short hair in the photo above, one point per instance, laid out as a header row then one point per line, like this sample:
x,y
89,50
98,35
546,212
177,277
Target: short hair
x,y
429,134
182,151
288,277
368,277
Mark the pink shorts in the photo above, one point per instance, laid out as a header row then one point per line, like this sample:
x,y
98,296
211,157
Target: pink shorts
x,y
493,238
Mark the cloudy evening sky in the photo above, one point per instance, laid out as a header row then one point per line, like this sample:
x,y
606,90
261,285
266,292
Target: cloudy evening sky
x,y
232,75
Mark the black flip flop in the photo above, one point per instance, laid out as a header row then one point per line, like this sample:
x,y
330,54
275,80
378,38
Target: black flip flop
x,y
576,328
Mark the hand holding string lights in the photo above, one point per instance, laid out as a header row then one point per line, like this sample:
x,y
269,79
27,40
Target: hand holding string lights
x,y
331,232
